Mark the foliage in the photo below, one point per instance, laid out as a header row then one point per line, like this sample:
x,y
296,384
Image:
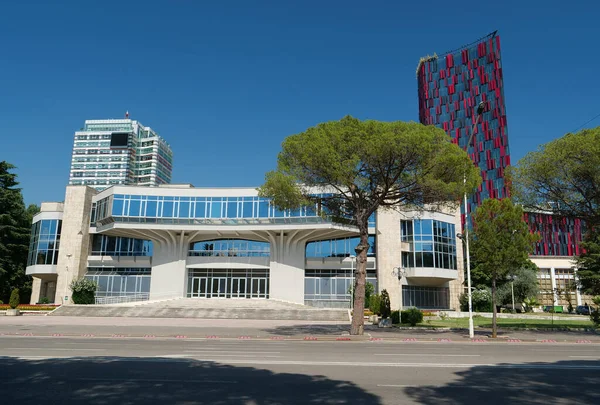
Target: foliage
x,y
44,300
530,303
588,263
84,291
395,317
375,304
562,176
14,298
411,316
595,313
385,307
369,290
481,298
348,169
525,285
26,307
15,226
500,242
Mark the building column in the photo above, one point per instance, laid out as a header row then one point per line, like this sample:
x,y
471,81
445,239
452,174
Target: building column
x,y
577,290
553,280
36,287
389,255
286,269
169,272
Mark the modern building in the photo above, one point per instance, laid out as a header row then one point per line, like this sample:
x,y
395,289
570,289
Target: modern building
x,y
119,152
203,243
450,87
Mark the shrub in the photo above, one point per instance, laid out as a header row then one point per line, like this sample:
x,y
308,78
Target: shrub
x,y
395,317
14,298
1,302
84,291
375,304
385,306
482,301
44,300
411,316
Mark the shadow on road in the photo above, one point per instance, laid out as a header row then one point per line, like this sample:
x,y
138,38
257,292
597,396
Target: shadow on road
x,y
119,380
564,382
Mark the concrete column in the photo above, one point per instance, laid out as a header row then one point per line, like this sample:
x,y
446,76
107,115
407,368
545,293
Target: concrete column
x,y
169,275
286,274
577,290
389,255
36,286
74,240
553,280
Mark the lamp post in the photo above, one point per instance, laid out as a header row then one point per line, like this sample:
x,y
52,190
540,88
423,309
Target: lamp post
x,y
399,272
480,109
512,291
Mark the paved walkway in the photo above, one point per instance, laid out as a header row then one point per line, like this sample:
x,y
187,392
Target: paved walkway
x,y
43,326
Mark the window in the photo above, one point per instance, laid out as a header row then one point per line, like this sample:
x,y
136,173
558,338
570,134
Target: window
x,y
432,243
44,242
343,247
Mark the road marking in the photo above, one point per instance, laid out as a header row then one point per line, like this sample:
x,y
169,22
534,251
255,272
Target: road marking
x,y
49,349
229,351
586,357
427,355
210,356
434,386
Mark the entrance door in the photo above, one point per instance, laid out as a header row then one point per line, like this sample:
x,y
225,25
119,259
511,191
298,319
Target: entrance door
x,y
238,287
199,287
219,287
259,288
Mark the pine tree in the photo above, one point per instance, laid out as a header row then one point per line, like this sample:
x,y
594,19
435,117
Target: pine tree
x,y
14,235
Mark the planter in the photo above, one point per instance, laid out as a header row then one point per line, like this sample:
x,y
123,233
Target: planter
x,y
13,312
374,319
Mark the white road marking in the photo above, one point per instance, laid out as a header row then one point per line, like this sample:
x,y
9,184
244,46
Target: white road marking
x,y
49,349
159,380
229,351
586,357
426,355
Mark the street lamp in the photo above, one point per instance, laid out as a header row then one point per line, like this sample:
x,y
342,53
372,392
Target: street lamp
x,y
465,238
399,272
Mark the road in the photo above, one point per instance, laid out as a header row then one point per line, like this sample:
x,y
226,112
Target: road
x,y
117,370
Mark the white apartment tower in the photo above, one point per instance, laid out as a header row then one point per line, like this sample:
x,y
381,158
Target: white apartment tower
x,y
119,152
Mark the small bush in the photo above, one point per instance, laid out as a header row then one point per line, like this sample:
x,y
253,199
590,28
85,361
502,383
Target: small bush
x,y
44,300
395,317
14,298
84,291
411,316
375,304
443,316
1,302
595,317
385,306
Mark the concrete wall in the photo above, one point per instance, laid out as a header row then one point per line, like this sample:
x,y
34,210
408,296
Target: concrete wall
x,y
74,240
287,272
169,274
389,254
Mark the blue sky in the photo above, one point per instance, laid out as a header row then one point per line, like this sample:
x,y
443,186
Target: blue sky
x,y
226,81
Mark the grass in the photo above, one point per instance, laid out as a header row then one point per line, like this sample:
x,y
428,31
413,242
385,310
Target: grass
x,y
509,323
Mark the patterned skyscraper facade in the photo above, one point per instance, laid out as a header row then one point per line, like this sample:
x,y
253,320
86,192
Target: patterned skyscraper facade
x,y
559,236
450,88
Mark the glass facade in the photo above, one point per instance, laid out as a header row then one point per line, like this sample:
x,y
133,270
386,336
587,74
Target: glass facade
x,y
230,247
450,87
44,242
103,245
120,281
343,247
560,236
432,244
332,285
425,297
228,283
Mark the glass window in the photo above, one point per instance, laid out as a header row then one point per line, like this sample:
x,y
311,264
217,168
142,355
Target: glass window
x,y
215,210
117,208
200,211
134,208
231,209
151,209
168,209
184,209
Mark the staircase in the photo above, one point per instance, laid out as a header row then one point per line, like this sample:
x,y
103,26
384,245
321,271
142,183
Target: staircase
x,y
263,311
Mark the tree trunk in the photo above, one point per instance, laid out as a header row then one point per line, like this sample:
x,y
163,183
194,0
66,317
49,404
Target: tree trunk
x,y
494,325
360,277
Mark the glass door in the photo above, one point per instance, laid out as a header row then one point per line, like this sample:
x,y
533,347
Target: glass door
x,y
238,287
199,285
219,287
259,288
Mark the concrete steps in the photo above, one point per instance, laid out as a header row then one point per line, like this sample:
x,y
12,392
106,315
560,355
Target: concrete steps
x,y
203,313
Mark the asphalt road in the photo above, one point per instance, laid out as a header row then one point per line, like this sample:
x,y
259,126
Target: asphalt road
x,y
256,372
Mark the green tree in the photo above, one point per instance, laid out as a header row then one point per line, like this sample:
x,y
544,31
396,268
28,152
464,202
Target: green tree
x,y
351,168
14,235
562,176
501,243
524,285
588,263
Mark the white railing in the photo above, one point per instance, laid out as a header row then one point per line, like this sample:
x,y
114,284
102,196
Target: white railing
x,y
119,299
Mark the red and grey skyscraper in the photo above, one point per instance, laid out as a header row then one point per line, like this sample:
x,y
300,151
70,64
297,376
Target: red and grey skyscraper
x,y
450,88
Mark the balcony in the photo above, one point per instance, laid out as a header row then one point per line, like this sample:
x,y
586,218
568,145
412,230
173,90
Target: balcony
x,y
40,269
431,273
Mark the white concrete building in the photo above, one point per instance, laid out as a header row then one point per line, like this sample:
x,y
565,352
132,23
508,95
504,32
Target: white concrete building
x,y
119,152
181,241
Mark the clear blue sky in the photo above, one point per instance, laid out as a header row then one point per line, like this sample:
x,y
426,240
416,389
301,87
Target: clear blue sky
x,y
226,81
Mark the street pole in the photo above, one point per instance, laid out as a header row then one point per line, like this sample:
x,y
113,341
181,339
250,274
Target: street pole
x,y
512,291
480,109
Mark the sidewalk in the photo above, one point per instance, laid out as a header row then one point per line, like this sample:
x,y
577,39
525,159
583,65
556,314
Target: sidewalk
x,y
42,326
